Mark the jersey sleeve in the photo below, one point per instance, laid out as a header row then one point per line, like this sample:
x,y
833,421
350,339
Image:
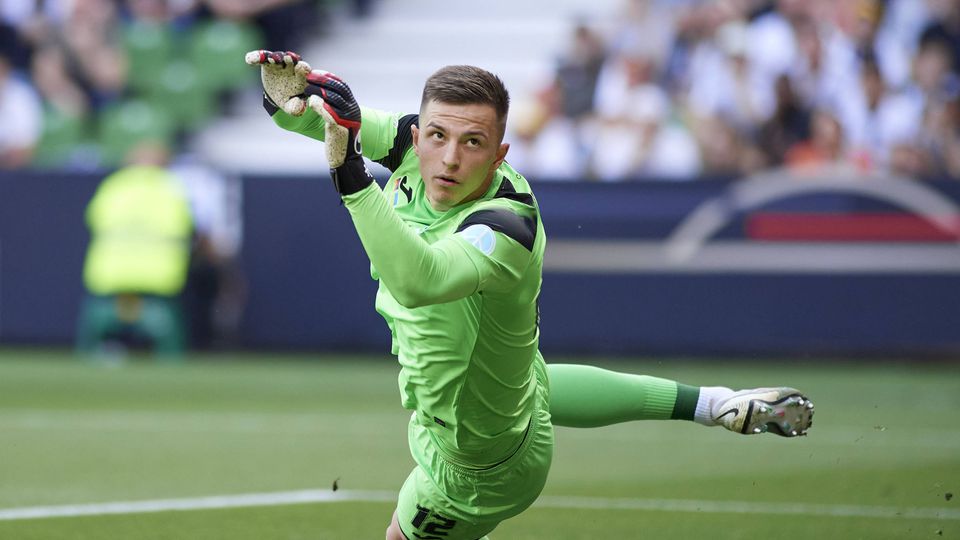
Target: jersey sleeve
x,y
499,242
417,273
385,136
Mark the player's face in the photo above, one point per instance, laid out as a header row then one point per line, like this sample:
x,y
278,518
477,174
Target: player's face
x,y
459,149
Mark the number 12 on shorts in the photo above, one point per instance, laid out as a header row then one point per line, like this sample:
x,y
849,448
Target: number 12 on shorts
x,y
435,528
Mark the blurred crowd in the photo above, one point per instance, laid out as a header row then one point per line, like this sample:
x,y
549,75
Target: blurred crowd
x,y
667,89
673,89
82,80
121,86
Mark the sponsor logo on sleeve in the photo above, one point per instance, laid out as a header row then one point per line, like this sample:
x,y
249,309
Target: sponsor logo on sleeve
x,y
480,237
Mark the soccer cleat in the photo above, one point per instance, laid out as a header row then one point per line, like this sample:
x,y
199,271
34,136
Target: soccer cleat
x,y
784,411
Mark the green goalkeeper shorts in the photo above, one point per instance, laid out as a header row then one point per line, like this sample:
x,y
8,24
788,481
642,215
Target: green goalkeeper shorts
x,y
451,502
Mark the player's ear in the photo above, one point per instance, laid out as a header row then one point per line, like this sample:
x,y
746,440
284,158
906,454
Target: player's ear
x,y
415,132
498,159
501,154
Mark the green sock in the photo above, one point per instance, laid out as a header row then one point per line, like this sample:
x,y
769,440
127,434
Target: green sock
x,y
588,396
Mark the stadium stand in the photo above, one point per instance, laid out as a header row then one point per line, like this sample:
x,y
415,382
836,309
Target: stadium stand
x,y
627,89
387,56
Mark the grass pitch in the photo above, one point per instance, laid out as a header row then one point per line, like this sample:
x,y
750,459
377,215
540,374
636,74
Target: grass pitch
x,y
882,461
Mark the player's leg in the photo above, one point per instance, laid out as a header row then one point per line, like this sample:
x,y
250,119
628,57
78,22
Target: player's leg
x,y
425,511
161,320
393,530
97,317
588,396
441,499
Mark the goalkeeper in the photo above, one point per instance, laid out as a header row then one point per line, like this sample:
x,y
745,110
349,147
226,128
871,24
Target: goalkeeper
x,y
456,242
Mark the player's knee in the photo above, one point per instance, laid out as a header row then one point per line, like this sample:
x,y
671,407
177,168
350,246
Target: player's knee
x,y
394,533
393,530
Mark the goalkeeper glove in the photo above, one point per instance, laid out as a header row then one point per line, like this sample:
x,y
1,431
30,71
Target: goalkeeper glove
x,y
289,81
284,78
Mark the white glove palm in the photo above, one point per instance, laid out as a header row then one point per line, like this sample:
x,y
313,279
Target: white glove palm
x,y
290,84
336,137
284,77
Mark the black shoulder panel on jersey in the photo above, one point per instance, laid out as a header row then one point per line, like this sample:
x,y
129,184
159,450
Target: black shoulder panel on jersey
x,y
507,191
401,142
522,229
269,106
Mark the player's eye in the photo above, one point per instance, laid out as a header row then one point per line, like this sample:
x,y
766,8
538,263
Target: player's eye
x,y
473,141
437,136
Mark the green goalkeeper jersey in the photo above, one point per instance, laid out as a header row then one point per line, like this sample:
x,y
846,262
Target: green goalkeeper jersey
x,y
458,290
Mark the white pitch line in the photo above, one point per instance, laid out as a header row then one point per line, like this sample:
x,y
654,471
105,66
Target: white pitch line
x,y
747,507
199,503
593,503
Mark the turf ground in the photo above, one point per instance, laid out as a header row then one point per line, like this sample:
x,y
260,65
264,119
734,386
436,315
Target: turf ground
x,y
881,462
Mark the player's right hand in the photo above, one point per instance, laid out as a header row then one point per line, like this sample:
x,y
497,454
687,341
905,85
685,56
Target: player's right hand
x,y
284,77
333,100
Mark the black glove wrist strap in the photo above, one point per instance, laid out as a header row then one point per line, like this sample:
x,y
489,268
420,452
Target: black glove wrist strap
x,y
351,177
269,105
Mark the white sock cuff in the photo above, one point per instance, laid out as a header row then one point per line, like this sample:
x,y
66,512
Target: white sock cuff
x,y
709,397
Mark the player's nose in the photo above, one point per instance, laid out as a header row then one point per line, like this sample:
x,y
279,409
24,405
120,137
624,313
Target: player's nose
x,y
451,157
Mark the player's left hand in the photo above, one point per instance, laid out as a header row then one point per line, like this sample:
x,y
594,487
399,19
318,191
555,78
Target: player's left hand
x,y
290,83
284,78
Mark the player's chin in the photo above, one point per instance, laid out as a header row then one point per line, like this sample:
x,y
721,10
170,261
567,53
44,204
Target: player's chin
x,y
444,198
446,191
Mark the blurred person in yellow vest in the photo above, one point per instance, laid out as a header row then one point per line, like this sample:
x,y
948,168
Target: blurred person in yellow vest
x,y
137,260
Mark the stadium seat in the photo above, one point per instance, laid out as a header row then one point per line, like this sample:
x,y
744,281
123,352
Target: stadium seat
x,y
149,47
126,124
62,135
179,93
217,49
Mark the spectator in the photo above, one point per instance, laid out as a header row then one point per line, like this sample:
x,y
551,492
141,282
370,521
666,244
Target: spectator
x,y
160,12
284,23
932,75
578,71
727,101
641,141
724,151
944,27
136,264
938,149
26,22
56,85
548,144
550,141
78,65
726,84
719,66
824,150
825,66
789,125
625,71
876,120
772,35
862,22
22,114
215,292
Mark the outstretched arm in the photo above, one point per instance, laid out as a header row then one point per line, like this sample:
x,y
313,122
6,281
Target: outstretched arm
x,y
487,254
289,81
415,272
